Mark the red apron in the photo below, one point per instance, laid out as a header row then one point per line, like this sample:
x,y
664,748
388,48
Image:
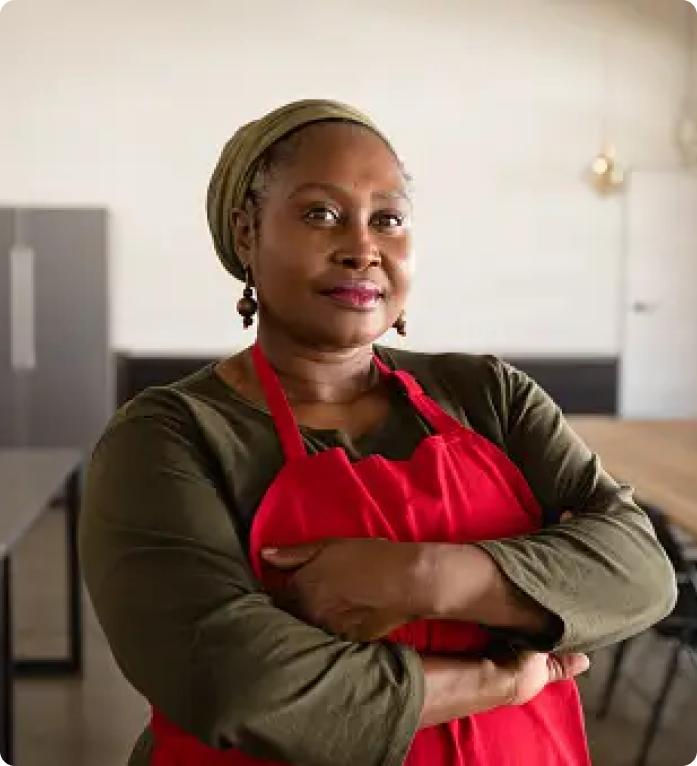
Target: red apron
x,y
458,488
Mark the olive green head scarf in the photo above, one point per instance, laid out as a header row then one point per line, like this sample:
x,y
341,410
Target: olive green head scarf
x,y
239,159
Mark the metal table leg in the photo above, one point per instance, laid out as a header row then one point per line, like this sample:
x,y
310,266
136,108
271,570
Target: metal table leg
x,y
75,616
6,667
73,663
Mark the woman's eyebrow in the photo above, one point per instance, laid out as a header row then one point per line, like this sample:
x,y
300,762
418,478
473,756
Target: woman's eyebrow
x,y
334,189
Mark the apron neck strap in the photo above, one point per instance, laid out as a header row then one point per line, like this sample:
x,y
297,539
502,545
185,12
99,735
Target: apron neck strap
x,y
277,402
432,413
287,427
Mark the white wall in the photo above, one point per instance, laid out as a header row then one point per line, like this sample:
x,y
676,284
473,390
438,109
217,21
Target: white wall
x,y
496,105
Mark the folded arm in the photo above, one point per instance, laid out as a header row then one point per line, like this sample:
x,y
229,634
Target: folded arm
x,y
194,633
601,576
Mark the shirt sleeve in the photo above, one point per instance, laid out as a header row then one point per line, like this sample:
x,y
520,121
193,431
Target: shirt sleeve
x,y
603,573
194,633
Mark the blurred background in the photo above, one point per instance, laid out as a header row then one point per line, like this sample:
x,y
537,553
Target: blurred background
x,y
553,145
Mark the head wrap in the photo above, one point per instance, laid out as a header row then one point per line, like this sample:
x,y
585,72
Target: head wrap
x,y
238,162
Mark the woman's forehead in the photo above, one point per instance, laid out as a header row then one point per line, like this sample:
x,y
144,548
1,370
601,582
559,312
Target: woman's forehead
x,y
343,155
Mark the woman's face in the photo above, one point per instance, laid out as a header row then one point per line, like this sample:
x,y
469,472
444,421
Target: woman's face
x,y
332,256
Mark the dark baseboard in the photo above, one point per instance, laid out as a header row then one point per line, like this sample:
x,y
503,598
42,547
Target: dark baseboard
x,y
579,385
136,373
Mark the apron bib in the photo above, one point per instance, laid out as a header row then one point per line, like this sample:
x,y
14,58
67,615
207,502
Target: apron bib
x,y
457,487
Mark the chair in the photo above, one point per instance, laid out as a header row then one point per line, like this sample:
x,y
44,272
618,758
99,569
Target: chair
x,y
680,627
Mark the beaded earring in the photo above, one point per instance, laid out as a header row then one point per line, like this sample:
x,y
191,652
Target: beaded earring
x,y
401,324
247,307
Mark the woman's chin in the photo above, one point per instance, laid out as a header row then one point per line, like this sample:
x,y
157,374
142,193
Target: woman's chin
x,y
343,335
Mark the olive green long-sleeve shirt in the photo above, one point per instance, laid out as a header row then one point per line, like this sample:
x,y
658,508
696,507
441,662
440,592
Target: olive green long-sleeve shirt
x,y
170,497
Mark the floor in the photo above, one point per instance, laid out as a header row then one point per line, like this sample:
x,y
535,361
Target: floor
x,y
93,721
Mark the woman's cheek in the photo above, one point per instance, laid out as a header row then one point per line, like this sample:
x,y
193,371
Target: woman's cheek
x,y
406,262
410,264
407,255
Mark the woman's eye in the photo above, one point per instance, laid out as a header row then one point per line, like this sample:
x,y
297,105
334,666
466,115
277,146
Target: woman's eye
x,y
321,215
389,220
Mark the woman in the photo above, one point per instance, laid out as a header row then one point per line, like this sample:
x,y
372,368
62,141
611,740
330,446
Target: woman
x,y
314,551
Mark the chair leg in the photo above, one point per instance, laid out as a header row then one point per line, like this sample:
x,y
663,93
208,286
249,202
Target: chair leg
x,y
652,729
608,692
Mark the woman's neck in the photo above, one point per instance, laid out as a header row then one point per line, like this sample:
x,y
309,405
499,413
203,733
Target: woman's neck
x,y
310,375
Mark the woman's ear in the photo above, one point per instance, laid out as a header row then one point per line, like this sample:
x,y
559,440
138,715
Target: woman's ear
x,y
243,232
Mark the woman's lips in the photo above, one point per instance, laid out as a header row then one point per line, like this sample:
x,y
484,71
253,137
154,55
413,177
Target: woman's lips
x,y
363,298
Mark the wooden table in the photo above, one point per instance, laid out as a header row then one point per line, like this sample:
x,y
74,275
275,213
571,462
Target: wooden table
x,y
657,458
29,481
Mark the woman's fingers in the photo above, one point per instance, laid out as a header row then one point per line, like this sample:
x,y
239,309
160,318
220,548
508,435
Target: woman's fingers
x,y
564,666
292,558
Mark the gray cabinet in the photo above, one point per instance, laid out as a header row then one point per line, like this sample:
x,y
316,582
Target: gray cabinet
x,y
57,384
6,378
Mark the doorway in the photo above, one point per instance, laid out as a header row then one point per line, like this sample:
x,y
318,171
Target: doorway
x,y
658,371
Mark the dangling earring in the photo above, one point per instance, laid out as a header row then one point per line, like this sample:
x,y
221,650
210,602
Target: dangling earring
x,y
246,306
401,324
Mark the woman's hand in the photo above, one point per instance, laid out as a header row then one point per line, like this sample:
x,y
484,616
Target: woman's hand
x,y
530,672
360,589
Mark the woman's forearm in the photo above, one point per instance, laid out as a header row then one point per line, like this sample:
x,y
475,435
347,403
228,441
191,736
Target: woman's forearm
x,y
456,688
603,572
464,583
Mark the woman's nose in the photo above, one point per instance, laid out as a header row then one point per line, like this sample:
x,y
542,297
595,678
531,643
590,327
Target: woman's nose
x,y
359,250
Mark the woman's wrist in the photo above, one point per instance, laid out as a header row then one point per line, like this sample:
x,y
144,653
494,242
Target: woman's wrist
x,y
449,580
458,688
464,583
